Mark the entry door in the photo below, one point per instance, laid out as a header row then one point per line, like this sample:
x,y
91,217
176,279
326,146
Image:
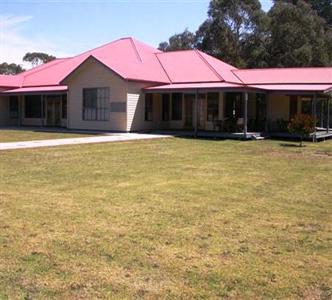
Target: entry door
x,y
53,111
189,100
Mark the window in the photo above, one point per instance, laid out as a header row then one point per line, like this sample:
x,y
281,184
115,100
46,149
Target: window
x,y
148,107
177,106
96,104
306,104
13,107
64,107
261,106
165,107
212,106
33,106
233,105
292,106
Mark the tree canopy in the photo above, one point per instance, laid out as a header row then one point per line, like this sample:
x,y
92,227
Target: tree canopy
x,y
230,24
298,36
10,69
181,41
37,58
292,33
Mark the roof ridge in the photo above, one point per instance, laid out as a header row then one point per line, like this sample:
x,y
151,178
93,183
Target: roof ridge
x,y
208,64
162,66
219,60
101,46
176,51
233,72
136,49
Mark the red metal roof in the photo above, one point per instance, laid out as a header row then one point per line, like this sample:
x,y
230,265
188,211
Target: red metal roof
x,y
193,86
134,60
195,66
10,81
226,71
293,87
27,90
328,90
285,76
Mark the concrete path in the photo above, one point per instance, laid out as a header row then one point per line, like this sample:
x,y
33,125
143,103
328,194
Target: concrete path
x,y
118,137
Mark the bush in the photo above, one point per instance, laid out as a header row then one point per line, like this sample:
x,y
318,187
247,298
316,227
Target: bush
x,y
302,125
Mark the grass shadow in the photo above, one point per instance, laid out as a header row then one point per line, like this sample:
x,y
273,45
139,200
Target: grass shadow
x,y
291,145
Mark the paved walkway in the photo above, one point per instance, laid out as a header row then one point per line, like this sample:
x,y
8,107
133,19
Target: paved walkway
x,y
118,137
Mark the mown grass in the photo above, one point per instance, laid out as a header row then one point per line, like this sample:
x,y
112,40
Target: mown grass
x,y
12,135
170,218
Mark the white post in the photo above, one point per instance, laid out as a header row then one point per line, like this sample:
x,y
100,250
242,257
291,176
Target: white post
x,y
42,110
328,115
196,114
267,113
245,119
314,112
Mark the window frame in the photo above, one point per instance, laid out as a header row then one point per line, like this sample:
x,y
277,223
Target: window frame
x,y
36,111
306,105
165,107
212,107
148,108
233,105
14,113
177,115
98,108
64,105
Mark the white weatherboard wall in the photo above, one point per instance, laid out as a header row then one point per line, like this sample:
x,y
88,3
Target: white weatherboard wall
x,y
136,108
92,74
132,104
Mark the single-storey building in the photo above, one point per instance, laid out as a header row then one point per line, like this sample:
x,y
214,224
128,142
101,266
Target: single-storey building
x,y
128,86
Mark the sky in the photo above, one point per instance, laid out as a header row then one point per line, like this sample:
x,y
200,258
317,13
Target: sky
x,y
67,27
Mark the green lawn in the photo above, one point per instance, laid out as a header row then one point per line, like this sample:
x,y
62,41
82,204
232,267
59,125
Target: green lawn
x,y
169,218
12,135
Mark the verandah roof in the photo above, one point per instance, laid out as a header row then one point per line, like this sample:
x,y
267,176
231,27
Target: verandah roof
x,y
36,89
300,88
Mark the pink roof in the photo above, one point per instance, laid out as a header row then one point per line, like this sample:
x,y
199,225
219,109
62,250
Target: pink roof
x,y
58,88
226,71
129,58
285,75
10,81
134,60
192,86
328,90
195,66
293,87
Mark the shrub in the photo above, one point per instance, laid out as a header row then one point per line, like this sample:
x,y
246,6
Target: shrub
x,y
302,125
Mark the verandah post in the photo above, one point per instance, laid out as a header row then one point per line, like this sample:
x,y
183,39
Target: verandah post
x,y
245,119
267,112
43,115
314,103
196,114
328,114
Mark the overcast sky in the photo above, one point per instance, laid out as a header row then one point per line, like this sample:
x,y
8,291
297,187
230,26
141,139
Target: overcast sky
x,y
68,27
